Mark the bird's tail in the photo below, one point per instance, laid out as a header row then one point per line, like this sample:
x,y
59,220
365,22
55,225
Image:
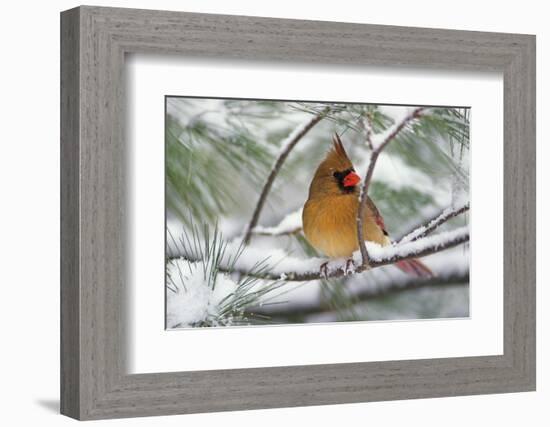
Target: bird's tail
x,y
414,267
411,266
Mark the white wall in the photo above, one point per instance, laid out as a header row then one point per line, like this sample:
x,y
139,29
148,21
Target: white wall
x,y
29,226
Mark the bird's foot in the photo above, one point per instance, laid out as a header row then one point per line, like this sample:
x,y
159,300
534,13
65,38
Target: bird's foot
x,y
350,266
323,270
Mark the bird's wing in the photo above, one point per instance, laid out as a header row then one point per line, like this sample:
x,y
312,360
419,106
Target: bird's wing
x,y
373,210
411,266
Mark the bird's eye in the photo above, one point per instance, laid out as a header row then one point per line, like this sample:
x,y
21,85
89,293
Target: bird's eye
x,y
335,174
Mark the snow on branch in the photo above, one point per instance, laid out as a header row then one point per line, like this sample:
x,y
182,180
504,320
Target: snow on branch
x,y
285,268
290,224
286,147
426,228
378,143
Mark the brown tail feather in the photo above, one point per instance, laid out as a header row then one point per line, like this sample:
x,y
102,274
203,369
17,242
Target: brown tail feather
x,y
415,267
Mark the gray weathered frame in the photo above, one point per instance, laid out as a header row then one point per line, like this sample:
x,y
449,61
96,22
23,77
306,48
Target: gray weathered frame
x,y
94,42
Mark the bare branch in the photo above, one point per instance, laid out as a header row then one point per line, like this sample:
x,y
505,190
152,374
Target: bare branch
x,y
377,149
364,294
292,140
430,225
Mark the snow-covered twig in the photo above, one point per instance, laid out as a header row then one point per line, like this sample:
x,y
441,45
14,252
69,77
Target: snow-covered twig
x,y
290,224
283,267
430,225
377,146
287,147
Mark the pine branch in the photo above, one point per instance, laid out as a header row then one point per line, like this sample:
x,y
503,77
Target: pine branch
x,y
376,150
287,147
430,225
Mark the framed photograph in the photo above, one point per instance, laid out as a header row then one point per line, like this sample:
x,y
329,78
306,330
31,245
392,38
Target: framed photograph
x,y
306,267
262,213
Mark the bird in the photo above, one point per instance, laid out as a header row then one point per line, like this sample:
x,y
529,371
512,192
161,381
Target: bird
x,y
329,216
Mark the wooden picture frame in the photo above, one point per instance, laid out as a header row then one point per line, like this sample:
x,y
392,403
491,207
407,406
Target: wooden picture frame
x,y
94,41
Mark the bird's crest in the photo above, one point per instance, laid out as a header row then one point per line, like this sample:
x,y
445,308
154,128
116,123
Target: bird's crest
x,y
325,181
337,158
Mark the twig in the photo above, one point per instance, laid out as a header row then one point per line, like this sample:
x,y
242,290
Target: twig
x,y
377,149
290,232
293,139
367,124
364,294
430,225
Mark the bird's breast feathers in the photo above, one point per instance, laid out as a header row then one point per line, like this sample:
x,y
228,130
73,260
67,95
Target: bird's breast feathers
x,y
330,225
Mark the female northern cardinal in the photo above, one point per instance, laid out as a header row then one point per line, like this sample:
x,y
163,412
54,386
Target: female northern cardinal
x,y
329,215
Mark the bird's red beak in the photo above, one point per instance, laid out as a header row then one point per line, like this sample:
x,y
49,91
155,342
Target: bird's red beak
x,y
351,179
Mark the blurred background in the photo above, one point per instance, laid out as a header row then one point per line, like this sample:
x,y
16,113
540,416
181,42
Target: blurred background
x,y
218,155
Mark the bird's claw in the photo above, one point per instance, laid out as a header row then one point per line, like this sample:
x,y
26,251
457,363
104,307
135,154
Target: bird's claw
x,y
350,266
323,270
